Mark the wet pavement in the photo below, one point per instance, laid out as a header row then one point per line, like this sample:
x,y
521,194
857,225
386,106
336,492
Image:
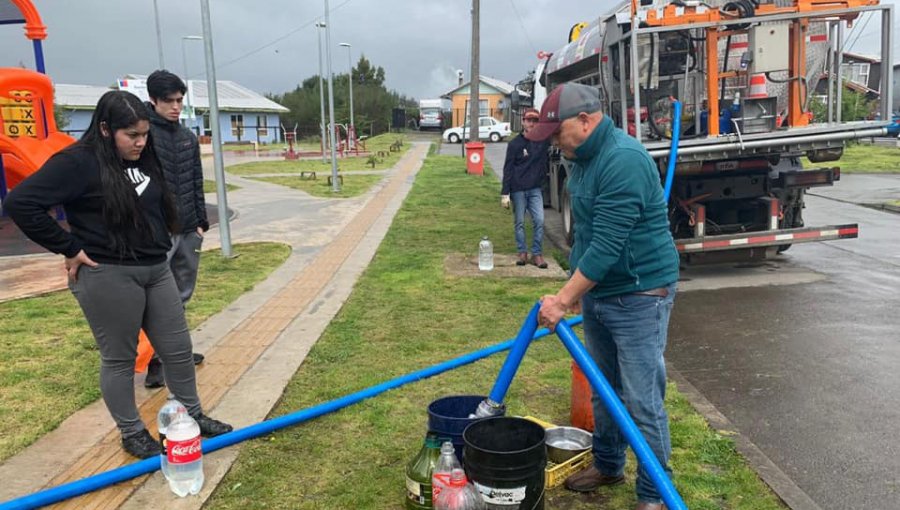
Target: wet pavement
x,y
807,372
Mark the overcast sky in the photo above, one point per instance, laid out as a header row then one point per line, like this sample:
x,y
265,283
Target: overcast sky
x,y
270,45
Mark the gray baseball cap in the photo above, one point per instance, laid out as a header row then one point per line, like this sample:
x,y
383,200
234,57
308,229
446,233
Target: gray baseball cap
x,y
566,101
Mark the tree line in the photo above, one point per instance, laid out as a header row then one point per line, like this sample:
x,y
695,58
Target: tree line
x,y
372,102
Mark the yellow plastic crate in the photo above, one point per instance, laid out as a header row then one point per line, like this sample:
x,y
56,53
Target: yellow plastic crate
x,y
556,474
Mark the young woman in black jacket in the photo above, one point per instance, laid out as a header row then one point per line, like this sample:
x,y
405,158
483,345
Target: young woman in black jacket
x,y
120,216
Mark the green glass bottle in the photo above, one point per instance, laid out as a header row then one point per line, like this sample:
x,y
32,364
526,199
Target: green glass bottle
x,y
418,474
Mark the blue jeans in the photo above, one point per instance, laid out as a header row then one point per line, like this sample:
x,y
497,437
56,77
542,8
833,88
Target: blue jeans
x,y
626,337
533,201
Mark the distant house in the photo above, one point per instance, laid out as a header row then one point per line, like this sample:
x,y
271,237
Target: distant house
x,y
493,99
76,103
244,115
860,73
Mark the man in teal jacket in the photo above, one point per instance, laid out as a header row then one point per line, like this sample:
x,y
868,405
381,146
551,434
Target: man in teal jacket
x,y
624,271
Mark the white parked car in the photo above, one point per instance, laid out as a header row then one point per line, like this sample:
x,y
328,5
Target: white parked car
x,y
488,127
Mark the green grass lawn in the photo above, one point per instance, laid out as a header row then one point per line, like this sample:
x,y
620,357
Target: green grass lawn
x,y
210,186
406,314
865,158
49,365
380,143
353,185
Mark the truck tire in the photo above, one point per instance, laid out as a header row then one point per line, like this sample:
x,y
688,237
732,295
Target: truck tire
x,y
453,138
495,137
565,206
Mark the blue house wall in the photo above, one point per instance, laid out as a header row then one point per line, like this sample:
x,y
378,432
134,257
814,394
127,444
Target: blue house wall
x,y
78,122
268,132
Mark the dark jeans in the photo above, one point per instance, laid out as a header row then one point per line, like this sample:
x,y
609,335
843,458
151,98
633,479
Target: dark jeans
x,y
626,336
117,302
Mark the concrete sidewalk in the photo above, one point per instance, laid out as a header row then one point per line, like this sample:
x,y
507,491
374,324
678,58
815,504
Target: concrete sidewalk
x,y
252,348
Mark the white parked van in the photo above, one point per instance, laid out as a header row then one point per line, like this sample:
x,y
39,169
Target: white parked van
x,y
431,113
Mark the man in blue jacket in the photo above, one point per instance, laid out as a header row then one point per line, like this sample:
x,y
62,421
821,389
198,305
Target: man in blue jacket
x,y
523,176
624,271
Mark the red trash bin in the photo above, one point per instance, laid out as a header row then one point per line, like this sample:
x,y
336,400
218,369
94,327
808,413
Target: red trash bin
x,y
475,158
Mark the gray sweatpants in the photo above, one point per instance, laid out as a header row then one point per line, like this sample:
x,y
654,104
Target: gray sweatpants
x,y
184,261
117,302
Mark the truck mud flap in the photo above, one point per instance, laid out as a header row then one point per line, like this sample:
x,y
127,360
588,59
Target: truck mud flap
x,y
767,238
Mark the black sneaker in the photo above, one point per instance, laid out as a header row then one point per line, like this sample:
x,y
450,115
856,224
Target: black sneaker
x,y
141,445
155,377
210,427
198,358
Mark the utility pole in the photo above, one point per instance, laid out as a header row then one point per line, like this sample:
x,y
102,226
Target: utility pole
x,y
162,63
475,78
322,123
335,185
213,94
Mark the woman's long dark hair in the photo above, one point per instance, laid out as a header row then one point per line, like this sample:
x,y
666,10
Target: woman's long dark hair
x,y
121,208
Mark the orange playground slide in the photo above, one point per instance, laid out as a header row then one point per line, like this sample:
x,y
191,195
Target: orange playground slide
x,y
24,155
28,134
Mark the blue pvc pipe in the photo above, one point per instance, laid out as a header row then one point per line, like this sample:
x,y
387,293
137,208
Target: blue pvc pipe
x,y
612,403
673,151
121,474
514,359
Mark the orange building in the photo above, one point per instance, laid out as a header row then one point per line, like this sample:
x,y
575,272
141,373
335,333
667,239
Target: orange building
x,y
493,99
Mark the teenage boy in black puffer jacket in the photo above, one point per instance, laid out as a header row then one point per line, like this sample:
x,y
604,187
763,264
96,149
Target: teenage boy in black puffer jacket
x,y
179,153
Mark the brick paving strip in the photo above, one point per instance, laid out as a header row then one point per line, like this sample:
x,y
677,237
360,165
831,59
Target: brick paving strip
x,y
315,294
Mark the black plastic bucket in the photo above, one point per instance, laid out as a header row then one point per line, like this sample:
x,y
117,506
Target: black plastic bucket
x,y
448,417
505,458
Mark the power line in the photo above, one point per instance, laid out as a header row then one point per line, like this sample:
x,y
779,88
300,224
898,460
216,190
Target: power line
x,y
277,39
862,29
522,24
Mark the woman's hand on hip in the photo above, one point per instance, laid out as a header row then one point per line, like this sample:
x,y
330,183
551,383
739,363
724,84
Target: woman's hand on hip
x,y
73,263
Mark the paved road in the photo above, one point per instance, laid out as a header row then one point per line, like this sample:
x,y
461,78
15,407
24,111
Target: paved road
x,y
808,372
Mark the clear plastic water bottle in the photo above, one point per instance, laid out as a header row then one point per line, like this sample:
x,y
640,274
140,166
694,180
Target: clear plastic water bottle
x,y
459,494
485,254
167,414
185,456
440,477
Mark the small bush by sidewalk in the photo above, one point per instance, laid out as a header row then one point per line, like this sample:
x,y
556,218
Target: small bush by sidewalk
x,y
406,314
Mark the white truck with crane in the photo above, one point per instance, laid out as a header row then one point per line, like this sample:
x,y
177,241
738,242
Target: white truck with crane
x,y
719,94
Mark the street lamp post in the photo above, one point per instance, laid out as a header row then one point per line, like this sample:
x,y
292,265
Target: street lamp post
x,y
335,185
187,82
162,62
218,164
320,25
351,131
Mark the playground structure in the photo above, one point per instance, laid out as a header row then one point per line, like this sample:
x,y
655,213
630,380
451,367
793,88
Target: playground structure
x,y
28,131
347,144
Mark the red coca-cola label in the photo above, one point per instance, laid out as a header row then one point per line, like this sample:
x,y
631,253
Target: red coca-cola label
x,y
182,452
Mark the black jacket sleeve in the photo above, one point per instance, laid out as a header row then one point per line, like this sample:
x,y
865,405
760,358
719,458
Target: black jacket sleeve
x,y
199,199
58,182
509,165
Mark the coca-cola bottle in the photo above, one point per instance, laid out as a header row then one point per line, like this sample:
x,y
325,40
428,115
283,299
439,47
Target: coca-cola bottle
x,y
440,477
459,494
167,414
185,456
